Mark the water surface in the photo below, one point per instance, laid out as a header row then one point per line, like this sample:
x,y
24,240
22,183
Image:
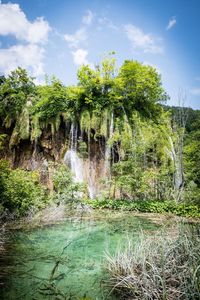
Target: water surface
x,y
66,260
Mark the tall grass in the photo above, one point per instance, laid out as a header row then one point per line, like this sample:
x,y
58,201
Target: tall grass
x,y
161,267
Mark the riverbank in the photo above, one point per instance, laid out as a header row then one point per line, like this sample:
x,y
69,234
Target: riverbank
x,y
157,212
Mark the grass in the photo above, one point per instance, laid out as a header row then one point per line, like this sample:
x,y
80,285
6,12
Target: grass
x,y
160,267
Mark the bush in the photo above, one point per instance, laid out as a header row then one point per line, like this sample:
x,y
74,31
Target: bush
x,y
20,190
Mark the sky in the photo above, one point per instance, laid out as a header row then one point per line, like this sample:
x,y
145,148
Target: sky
x,y
57,37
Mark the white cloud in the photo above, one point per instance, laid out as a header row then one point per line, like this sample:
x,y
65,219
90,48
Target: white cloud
x,y
88,18
29,54
75,39
80,57
81,34
26,56
104,21
142,41
171,23
14,22
195,91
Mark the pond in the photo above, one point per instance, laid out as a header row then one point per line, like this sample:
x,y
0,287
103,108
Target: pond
x,y
66,260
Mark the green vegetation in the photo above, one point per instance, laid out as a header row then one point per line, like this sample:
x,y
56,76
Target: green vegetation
x,y
22,193
154,150
20,190
162,268
179,209
65,189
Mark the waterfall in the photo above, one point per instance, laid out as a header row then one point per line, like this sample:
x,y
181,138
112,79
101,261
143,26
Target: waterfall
x,y
82,170
93,168
91,171
75,164
71,157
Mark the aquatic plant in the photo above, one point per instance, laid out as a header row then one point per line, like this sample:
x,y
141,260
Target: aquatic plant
x,y
161,267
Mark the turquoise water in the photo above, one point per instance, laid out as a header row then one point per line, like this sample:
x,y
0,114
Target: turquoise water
x,y
66,260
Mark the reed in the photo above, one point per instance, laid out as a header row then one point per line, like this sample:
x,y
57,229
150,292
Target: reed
x,y
162,267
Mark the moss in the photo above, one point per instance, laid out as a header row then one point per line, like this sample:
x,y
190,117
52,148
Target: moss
x,y
36,128
85,121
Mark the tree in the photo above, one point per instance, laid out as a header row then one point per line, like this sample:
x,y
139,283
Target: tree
x,y
50,103
138,87
15,91
97,84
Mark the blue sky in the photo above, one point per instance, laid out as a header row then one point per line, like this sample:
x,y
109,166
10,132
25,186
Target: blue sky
x,y
56,37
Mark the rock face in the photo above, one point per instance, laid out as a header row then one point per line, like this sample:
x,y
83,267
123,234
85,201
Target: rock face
x,y
29,155
88,157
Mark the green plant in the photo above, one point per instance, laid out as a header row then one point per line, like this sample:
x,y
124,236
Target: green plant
x,y
162,267
180,209
65,189
20,190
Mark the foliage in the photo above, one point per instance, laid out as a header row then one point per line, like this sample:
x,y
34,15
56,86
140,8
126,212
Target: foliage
x,y
66,190
180,209
20,190
97,85
145,153
99,89
51,100
15,91
138,87
192,159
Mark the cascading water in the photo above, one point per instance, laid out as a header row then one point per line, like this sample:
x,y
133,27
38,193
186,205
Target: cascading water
x,y
83,170
95,167
71,157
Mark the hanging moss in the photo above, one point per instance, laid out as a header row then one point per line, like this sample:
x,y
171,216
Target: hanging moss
x,y
15,137
24,126
55,124
8,121
95,122
36,128
82,147
105,117
21,130
67,116
85,121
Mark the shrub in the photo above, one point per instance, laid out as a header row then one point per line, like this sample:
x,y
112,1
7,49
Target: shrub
x,y
20,190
